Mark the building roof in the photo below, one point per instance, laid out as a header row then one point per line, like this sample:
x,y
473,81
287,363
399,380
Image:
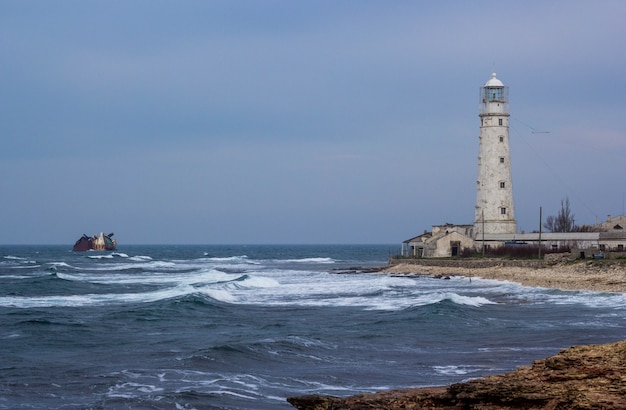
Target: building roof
x,y
421,237
494,82
616,223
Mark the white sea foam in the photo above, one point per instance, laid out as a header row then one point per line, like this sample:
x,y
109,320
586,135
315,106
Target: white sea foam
x,y
156,278
225,392
515,293
61,265
17,258
221,295
272,285
601,299
307,260
66,276
145,265
106,256
184,407
310,289
372,292
140,258
476,301
453,370
501,349
237,384
27,265
257,282
309,342
130,389
226,259
94,299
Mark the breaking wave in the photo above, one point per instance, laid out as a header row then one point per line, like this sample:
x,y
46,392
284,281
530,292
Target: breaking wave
x,y
308,260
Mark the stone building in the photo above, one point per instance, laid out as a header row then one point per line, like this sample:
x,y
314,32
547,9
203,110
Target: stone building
x,y
613,236
446,240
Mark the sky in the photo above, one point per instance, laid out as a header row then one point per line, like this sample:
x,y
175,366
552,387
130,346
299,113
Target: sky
x,y
299,122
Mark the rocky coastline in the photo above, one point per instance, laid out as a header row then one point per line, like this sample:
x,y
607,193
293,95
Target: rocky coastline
x,y
580,377
595,275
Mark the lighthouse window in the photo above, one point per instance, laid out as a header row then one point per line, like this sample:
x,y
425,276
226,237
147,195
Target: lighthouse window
x,y
494,94
499,121
503,211
502,160
501,137
502,184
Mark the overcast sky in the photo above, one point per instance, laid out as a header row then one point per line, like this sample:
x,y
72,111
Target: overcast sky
x,y
299,121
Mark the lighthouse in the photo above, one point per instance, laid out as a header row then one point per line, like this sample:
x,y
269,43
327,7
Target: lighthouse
x,y
494,212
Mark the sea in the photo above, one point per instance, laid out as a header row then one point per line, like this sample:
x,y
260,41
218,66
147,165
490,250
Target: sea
x,y
246,326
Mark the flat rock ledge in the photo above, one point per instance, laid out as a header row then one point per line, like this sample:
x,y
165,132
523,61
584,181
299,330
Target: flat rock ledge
x,y
581,377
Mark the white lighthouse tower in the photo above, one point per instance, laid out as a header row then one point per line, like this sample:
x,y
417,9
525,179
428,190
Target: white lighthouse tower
x,y
494,189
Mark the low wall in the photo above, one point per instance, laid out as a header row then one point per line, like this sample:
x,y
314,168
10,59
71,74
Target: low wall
x,y
590,253
468,263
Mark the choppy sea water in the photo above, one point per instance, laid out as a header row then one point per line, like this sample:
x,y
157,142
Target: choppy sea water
x,y
244,327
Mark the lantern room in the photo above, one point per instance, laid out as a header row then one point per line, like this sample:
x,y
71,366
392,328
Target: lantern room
x,y
494,97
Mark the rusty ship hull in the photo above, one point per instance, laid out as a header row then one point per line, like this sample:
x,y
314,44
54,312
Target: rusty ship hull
x,y
100,242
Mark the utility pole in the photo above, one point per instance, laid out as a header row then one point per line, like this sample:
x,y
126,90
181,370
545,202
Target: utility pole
x,y
540,223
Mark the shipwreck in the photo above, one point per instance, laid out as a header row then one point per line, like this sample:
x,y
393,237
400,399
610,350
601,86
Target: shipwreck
x,y
100,242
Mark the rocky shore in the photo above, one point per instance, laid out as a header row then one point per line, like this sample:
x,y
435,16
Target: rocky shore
x,y
581,377
602,275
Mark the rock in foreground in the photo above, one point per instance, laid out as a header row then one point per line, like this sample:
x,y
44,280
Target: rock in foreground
x,y
581,377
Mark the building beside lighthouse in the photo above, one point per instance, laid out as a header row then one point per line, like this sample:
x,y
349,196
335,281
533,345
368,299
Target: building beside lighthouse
x,y
494,213
494,222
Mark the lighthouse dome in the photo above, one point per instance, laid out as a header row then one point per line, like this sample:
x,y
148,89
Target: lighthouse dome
x,y
494,82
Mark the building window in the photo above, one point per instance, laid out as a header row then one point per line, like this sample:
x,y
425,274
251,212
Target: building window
x,y
502,211
620,248
555,247
502,184
499,121
502,160
501,138
602,247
